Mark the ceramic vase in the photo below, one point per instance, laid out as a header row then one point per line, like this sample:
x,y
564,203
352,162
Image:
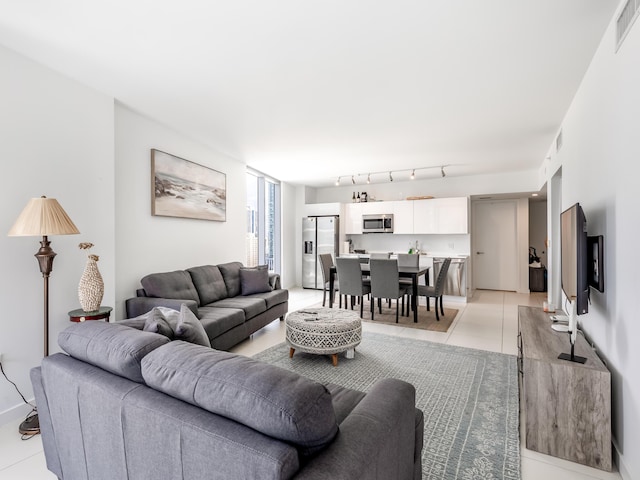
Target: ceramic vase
x,y
91,287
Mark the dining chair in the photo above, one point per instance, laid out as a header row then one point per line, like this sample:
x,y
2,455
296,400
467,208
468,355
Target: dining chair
x,y
379,256
436,291
385,284
326,261
351,281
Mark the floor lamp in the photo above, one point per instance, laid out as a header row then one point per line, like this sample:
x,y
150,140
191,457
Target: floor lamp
x,y
42,216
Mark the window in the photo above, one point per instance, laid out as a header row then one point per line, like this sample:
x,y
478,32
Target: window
x,y
263,221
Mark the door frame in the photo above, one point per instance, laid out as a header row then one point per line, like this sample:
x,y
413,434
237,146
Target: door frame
x,y
521,237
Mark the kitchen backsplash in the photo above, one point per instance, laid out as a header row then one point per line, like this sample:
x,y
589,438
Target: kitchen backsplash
x,y
388,242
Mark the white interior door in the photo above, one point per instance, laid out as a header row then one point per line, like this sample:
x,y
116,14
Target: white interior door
x,y
495,253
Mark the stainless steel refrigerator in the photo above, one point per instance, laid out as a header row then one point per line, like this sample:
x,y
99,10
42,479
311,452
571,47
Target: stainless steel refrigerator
x,y
319,235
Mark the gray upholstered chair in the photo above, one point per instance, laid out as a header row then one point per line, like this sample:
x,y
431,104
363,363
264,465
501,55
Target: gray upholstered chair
x,y
379,256
326,261
408,260
351,281
385,283
436,290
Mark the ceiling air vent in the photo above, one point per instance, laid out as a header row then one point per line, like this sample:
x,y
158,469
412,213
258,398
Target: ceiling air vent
x,y
627,16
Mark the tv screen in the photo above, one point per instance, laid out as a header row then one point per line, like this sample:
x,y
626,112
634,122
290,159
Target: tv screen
x,y
574,257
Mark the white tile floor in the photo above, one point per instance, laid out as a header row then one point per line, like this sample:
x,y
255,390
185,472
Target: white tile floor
x,y
489,322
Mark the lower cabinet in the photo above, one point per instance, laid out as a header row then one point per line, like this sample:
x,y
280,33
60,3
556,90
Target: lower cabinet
x,y
566,405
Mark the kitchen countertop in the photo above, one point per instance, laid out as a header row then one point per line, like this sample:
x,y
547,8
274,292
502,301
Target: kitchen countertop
x,y
427,254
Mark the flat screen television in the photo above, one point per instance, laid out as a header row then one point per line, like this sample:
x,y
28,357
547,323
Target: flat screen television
x,y
574,257
574,266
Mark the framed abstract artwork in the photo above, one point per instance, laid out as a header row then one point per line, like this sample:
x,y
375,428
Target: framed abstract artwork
x,y
180,188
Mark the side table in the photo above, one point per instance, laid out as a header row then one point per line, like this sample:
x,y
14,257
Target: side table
x,y
79,315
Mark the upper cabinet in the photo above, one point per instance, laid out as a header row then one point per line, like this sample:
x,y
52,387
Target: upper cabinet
x,y
403,217
441,215
453,215
353,218
432,216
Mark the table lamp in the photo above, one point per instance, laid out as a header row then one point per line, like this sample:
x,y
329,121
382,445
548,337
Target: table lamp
x,y
42,216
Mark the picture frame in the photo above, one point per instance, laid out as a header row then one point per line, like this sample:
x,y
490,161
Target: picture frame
x,y
595,271
184,189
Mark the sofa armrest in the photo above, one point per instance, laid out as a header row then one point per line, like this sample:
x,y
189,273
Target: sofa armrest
x,y
140,305
376,440
274,281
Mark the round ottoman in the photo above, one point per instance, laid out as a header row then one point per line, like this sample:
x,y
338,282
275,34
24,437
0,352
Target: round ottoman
x,y
325,331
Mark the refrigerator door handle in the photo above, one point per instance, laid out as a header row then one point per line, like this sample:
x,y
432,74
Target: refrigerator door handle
x,y
308,248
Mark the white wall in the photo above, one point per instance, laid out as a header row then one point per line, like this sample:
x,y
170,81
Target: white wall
x,y
599,159
147,244
56,139
290,237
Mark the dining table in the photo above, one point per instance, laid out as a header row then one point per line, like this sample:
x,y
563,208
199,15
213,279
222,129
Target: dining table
x,y
404,272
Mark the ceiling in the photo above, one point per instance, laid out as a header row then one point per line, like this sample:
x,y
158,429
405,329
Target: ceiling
x,y
310,90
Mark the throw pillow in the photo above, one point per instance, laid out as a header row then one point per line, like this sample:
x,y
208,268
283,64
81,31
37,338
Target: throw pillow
x,y
190,329
254,280
156,323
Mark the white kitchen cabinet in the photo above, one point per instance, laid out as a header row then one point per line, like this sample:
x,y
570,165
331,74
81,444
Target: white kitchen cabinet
x,y
452,215
353,220
441,216
425,216
402,216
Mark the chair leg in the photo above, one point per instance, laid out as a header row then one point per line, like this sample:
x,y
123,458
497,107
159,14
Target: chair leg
x,y
435,307
372,308
428,302
324,297
380,306
397,309
441,307
361,298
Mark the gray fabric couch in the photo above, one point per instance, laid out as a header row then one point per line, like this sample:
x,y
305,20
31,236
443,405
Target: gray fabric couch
x,y
215,294
125,403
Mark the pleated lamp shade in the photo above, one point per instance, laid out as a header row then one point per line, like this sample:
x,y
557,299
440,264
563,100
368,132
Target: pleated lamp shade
x,y
43,216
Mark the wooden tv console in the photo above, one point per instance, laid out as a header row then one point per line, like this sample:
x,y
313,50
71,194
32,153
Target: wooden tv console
x,y
567,405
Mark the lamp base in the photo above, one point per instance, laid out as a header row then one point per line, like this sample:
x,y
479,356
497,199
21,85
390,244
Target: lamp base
x,y
30,426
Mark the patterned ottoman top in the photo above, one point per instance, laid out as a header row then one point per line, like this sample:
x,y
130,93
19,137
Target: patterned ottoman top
x,y
324,319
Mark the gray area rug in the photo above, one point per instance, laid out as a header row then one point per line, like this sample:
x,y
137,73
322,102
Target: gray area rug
x,y
469,399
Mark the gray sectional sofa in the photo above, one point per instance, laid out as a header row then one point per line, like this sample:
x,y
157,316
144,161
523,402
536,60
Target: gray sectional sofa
x,y
126,403
231,301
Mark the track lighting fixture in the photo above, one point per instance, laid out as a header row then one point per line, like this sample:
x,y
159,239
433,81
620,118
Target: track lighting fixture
x,y
412,176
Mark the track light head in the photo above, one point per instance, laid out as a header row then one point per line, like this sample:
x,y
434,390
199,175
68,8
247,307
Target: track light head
x,y
413,174
368,178
390,177
338,182
442,172
353,180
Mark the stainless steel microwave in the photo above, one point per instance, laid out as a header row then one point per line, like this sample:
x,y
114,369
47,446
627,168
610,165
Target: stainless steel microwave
x,y
377,223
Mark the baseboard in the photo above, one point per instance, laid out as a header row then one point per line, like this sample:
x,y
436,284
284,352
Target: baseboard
x,y
622,467
16,414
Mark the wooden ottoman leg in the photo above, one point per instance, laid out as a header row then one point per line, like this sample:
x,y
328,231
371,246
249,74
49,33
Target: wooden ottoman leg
x,y
334,359
291,352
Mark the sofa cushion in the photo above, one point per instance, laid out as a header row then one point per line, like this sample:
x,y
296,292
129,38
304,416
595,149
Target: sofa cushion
x,y
176,285
231,274
273,298
112,347
217,321
271,400
254,280
251,306
209,283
